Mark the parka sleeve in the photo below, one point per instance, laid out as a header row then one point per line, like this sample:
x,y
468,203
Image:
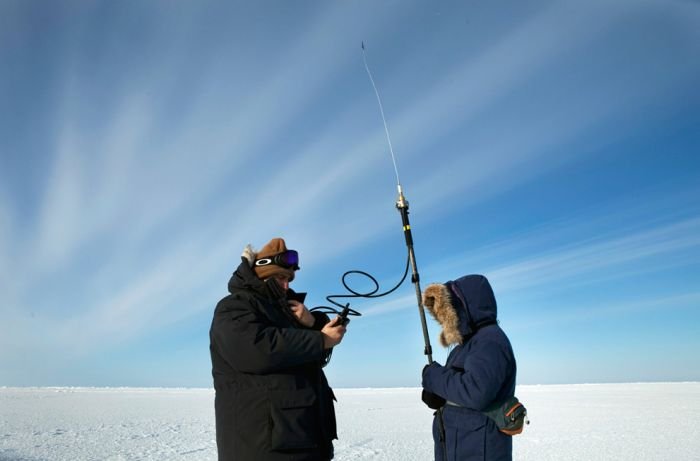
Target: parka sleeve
x,y
484,371
248,342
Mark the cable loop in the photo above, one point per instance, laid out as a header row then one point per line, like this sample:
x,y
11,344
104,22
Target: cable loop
x,y
358,294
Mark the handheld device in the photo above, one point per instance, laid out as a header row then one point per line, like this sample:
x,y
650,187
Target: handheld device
x,y
344,320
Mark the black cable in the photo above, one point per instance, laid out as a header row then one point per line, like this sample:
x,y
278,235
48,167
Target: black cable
x,y
356,294
346,310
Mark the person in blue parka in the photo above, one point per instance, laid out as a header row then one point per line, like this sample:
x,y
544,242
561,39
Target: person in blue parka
x,y
479,372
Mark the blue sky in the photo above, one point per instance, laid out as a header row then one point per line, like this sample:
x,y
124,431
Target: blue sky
x,y
550,145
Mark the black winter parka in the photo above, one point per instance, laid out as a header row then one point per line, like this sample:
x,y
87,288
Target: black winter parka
x,y
273,402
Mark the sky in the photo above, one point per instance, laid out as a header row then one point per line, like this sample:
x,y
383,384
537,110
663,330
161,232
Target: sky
x,y
550,145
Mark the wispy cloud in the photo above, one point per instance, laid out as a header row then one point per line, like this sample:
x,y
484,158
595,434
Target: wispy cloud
x,y
530,134
159,174
90,196
655,249
125,183
575,314
590,258
6,234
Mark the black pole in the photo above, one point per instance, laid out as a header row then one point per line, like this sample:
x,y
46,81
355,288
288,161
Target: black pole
x,y
402,205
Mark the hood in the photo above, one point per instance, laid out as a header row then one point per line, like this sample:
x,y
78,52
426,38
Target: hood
x,y
244,278
461,307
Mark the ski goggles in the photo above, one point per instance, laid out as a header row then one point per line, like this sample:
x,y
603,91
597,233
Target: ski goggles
x,y
288,259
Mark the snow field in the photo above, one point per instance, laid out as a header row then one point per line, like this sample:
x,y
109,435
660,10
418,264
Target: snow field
x,y
586,422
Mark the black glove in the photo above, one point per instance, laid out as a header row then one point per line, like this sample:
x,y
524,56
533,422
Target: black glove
x,y
433,401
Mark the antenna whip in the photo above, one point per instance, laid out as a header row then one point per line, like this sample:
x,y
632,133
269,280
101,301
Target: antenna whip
x,y
381,110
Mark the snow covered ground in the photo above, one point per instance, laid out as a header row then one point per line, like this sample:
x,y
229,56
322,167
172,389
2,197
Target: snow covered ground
x,y
651,421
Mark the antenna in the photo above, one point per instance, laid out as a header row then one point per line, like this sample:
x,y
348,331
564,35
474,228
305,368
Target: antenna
x,y
381,110
402,206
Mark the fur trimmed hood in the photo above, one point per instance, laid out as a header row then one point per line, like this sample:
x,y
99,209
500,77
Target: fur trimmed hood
x,y
436,298
461,307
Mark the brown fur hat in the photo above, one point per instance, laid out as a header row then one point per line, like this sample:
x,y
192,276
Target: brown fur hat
x,y
273,247
437,299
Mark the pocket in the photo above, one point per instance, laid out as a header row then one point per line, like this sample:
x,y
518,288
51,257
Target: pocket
x,y
465,432
293,419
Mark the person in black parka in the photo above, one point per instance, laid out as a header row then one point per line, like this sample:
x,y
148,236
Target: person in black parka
x,y
273,402
480,371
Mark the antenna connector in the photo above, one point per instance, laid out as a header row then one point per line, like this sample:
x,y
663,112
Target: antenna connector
x,y
401,202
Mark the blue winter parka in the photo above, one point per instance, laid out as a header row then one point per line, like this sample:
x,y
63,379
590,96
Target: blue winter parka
x,y
480,371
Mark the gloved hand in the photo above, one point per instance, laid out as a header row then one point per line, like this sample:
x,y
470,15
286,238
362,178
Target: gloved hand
x,y
425,369
433,401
